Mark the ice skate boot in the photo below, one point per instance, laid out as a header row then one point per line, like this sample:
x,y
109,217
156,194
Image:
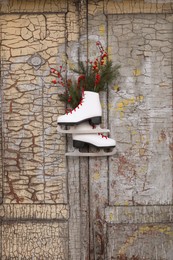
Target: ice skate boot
x,y
89,109
98,140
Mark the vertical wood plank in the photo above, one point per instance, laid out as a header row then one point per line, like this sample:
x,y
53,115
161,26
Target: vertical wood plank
x,y
1,148
98,166
84,167
83,164
72,30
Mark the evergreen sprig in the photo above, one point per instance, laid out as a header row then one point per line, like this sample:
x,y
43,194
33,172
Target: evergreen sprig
x,y
71,97
98,80
93,76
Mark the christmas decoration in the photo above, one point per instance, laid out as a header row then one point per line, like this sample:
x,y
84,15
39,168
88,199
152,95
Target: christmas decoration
x,y
93,76
84,110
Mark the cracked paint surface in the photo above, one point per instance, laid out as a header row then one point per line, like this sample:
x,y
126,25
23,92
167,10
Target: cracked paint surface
x,y
141,111
34,162
144,241
138,112
48,241
36,221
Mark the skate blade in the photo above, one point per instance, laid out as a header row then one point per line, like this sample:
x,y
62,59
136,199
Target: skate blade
x,y
76,152
73,130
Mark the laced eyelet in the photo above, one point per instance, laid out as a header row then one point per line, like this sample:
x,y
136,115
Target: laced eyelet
x,y
103,136
74,110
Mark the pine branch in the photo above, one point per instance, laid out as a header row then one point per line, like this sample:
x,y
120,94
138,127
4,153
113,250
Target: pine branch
x,y
93,76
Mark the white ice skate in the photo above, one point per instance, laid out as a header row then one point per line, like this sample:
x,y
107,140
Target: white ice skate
x,y
89,109
97,140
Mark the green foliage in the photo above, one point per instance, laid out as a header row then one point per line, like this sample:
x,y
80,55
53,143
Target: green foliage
x,y
72,96
106,72
92,76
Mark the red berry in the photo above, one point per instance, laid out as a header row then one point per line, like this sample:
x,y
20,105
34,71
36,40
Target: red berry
x,y
81,77
54,81
104,55
52,70
69,99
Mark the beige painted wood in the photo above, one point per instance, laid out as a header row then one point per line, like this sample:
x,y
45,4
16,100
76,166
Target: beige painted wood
x,y
34,161
15,6
34,211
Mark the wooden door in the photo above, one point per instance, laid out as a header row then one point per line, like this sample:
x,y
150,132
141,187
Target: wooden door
x,y
131,193
117,207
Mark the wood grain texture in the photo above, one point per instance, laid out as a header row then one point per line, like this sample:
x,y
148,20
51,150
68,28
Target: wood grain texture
x,y
150,241
73,168
98,167
139,6
34,212
139,214
15,6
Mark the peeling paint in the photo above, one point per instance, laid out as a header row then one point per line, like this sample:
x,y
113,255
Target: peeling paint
x,y
102,29
96,176
143,231
137,72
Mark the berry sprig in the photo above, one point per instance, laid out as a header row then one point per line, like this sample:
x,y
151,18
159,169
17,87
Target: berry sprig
x,y
92,76
72,94
58,74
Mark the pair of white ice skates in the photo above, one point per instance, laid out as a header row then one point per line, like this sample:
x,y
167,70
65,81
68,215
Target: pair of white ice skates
x,y
84,122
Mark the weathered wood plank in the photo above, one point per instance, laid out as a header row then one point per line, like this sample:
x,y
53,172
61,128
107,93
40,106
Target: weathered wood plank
x,y
1,159
72,32
83,163
98,167
15,6
140,121
34,161
139,6
154,241
140,113
32,240
35,212
74,210
139,214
